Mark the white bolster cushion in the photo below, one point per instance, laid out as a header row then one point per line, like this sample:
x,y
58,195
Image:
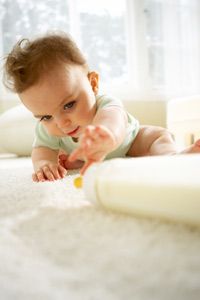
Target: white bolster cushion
x,y
17,126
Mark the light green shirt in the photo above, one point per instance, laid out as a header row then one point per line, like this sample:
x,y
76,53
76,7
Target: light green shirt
x,y
43,138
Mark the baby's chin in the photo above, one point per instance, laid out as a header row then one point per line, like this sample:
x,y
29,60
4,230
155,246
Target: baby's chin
x,y
74,137
61,134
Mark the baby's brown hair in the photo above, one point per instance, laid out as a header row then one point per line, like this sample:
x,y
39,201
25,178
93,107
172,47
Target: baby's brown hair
x,y
30,60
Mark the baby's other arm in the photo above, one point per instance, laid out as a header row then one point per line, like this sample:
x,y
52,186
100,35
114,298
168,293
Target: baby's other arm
x,y
46,165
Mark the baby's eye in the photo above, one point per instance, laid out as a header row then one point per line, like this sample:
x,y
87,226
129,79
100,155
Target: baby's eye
x,y
69,105
45,118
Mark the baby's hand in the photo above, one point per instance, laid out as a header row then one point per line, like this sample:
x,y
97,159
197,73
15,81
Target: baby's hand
x,y
69,165
95,143
48,171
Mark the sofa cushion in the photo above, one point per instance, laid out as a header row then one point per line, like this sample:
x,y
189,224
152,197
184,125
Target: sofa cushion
x,y
183,119
17,131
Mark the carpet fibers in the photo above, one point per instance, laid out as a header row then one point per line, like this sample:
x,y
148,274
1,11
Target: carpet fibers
x,y
54,245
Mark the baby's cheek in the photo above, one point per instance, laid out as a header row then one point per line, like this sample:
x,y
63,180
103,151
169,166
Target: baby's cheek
x,y
87,115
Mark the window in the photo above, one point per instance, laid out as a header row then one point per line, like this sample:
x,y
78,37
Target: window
x,y
102,26
97,26
173,43
149,45
21,18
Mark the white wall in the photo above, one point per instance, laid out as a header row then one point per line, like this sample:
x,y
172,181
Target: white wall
x,y
148,112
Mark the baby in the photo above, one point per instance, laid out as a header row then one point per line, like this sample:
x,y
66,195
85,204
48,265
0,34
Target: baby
x,y
76,126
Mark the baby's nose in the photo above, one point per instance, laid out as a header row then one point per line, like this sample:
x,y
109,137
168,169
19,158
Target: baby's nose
x,y
62,122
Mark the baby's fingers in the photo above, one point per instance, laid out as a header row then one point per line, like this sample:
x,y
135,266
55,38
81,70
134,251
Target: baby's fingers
x,y
62,171
92,133
54,172
39,176
35,178
48,173
86,166
76,155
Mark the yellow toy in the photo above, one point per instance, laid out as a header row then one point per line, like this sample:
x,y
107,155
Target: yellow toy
x,y
78,182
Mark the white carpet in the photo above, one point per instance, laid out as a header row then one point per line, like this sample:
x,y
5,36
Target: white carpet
x,y
54,245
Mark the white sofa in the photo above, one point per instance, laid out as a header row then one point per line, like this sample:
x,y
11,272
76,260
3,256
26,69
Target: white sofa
x,y
183,119
181,116
17,124
17,131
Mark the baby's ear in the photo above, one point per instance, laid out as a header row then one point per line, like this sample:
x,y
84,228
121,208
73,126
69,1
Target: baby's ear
x,y
94,81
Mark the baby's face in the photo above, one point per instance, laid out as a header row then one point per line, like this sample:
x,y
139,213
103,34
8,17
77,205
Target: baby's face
x,y
63,100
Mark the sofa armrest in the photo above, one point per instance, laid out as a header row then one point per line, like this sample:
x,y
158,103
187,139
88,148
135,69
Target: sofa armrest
x,y
183,119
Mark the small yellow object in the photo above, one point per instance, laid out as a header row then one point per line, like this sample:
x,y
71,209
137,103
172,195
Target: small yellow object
x,y
78,182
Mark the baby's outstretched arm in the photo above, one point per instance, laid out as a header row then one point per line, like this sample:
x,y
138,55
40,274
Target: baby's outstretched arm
x,y
46,165
102,137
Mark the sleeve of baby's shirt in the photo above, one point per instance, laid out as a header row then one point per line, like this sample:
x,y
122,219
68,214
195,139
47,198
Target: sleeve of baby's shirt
x,y
44,139
104,101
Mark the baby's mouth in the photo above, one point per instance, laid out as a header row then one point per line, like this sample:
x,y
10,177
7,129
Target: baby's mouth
x,y
73,132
